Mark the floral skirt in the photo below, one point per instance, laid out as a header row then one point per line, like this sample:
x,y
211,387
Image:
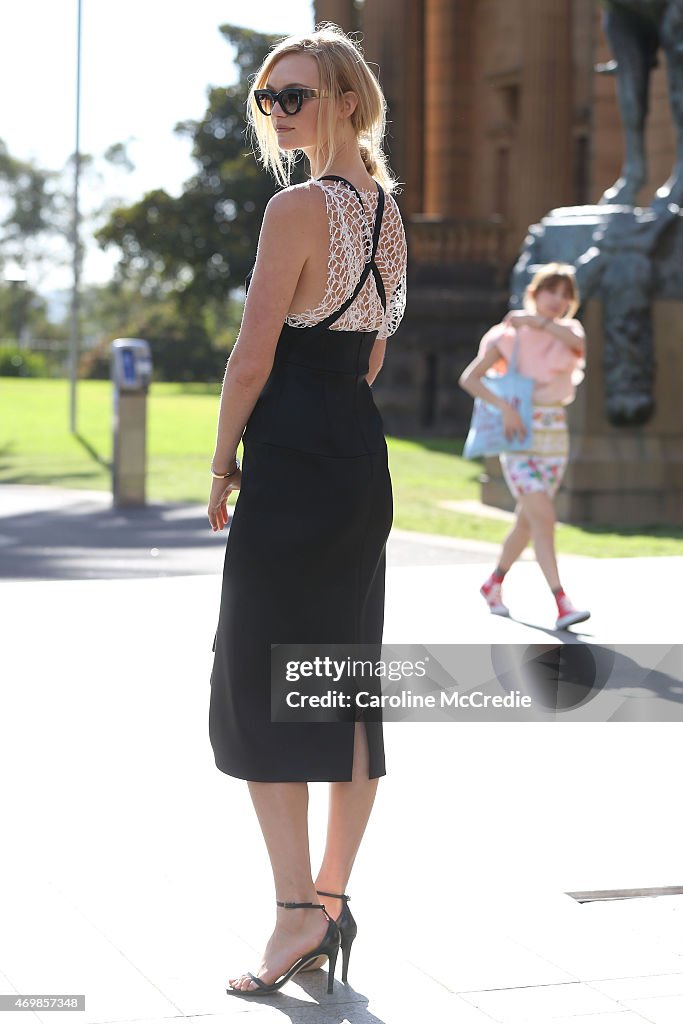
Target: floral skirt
x,y
542,467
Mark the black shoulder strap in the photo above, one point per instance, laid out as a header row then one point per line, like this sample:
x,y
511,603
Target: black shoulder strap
x,y
336,177
370,265
379,283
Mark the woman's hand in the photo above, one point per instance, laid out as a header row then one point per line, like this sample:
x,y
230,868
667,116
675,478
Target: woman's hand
x,y
512,423
218,510
520,318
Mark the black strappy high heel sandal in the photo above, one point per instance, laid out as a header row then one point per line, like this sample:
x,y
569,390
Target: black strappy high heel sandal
x,y
348,929
329,947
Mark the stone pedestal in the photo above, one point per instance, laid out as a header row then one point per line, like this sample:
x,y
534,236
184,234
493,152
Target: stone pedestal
x,y
632,476
130,448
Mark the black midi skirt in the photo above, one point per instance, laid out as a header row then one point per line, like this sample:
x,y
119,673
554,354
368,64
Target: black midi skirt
x,y
305,558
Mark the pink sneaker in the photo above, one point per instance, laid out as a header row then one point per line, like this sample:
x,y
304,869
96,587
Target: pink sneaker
x,y
491,592
568,614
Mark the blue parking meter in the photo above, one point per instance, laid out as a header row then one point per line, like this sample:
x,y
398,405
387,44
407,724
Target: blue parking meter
x,y
131,371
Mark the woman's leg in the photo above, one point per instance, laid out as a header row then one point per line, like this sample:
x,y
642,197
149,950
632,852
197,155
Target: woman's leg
x,y
540,512
349,810
516,540
282,810
513,545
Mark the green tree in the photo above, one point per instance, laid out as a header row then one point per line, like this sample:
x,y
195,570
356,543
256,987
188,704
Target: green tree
x,y
23,311
31,205
199,246
185,347
30,211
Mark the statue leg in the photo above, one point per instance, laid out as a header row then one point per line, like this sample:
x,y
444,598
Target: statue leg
x,y
634,43
628,354
672,43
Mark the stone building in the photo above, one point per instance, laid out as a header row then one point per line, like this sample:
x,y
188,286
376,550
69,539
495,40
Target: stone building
x,y
497,116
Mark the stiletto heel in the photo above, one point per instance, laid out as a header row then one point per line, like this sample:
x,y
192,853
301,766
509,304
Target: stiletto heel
x,y
329,947
331,965
346,956
348,929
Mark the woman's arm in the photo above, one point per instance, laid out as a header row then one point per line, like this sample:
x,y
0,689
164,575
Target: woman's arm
x,y
471,377
284,246
376,360
471,381
282,251
572,334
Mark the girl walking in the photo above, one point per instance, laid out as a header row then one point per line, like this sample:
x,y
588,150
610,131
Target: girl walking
x,y
551,350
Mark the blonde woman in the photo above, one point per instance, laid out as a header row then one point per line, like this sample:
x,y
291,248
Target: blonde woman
x,y
552,352
306,550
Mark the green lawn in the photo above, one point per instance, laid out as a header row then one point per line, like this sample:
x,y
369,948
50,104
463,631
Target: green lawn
x,y
37,448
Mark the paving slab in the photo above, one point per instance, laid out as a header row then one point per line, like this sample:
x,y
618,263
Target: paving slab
x,y
135,871
665,1010
642,987
526,1005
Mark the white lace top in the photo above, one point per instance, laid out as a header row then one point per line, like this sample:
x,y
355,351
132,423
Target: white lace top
x,y
350,250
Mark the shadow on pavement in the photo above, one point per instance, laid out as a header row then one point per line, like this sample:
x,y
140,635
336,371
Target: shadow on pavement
x,y
345,1006
55,533
572,670
88,539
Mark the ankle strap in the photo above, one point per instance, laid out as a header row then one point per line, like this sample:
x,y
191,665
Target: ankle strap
x,y
335,895
300,906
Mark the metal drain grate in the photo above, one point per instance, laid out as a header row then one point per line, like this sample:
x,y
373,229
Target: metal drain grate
x,y
598,895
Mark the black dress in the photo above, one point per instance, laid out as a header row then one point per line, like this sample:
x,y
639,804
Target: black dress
x,y
305,557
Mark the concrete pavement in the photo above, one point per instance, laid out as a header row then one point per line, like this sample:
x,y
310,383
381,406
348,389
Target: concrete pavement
x,y
55,533
133,871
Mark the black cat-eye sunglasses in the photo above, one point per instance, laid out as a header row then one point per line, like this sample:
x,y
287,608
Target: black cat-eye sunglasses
x,y
290,99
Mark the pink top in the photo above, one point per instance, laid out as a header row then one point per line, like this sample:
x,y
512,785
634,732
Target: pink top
x,y
555,368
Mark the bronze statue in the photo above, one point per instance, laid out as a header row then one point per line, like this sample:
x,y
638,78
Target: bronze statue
x,y
636,30
625,255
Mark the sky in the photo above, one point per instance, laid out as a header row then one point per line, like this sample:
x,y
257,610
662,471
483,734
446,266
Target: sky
x,y
145,65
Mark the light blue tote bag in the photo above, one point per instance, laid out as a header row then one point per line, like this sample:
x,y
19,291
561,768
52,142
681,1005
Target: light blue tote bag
x,y
486,435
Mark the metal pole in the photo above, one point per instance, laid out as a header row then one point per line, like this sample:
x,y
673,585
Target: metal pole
x,y
74,341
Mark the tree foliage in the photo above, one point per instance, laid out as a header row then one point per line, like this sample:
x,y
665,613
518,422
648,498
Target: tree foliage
x,y
199,246
31,209
186,346
24,313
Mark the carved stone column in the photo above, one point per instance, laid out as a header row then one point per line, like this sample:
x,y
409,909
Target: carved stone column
x,y
447,106
409,126
545,127
341,12
392,42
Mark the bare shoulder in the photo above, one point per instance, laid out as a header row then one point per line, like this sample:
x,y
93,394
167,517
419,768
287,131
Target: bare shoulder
x,y
293,220
297,203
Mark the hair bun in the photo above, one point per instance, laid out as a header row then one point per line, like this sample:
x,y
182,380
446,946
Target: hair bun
x,y
368,158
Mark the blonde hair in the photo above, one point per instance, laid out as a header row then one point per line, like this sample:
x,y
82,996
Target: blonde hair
x,y
342,68
549,276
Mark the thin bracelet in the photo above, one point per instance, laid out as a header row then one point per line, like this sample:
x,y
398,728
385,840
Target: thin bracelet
x,y
225,476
